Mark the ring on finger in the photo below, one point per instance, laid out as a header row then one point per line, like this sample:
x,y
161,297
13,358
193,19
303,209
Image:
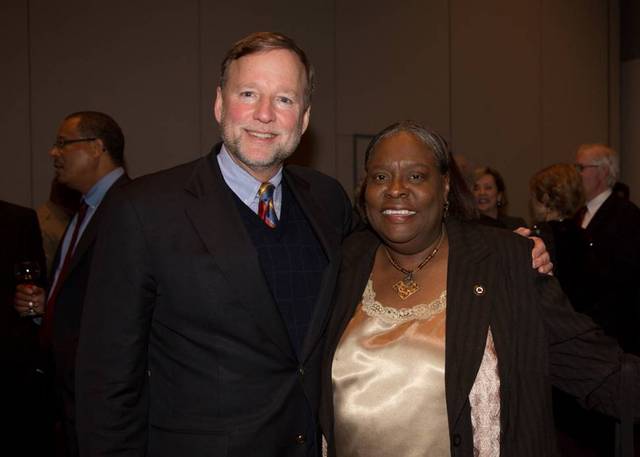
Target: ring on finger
x,y
32,311
30,304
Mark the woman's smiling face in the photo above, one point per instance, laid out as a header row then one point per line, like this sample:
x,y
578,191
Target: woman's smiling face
x,y
487,196
405,193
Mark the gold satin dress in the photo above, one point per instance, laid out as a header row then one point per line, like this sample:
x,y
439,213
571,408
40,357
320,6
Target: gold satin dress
x,y
388,384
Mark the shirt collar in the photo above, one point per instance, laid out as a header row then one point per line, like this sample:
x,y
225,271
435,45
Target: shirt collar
x,y
596,202
239,180
99,189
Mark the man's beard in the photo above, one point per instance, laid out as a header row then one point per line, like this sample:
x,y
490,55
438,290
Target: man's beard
x,y
276,158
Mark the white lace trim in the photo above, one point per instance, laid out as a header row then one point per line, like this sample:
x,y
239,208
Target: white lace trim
x,y
398,315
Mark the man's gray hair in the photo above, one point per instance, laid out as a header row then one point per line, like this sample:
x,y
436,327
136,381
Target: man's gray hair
x,y
605,156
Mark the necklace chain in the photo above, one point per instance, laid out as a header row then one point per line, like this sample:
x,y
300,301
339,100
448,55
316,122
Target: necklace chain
x,y
408,286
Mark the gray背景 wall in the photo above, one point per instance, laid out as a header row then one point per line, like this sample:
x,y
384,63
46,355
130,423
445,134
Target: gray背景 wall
x,y
515,85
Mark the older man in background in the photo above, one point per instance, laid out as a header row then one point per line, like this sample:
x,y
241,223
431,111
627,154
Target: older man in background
x,y
611,247
605,286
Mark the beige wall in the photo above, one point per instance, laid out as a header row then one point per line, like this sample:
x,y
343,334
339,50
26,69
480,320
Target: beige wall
x,y
516,85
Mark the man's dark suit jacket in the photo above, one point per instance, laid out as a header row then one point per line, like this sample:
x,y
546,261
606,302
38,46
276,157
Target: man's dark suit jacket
x,y
538,338
24,395
68,312
183,350
609,287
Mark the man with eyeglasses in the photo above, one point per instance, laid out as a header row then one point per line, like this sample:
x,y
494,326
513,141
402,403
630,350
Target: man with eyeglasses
x,y
608,288
88,156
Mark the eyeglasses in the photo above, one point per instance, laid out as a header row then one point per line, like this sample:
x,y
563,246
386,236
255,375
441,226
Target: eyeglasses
x,y
60,143
580,167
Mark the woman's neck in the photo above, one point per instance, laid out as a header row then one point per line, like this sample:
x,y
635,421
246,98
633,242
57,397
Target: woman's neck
x,y
411,261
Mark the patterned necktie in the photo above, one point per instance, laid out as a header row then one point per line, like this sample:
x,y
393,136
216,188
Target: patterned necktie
x,y
266,210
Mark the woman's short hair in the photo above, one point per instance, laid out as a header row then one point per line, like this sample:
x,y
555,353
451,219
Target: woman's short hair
x,y
461,202
559,188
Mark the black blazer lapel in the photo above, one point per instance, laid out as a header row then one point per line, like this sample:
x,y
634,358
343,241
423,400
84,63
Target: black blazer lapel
x,y
215,218
358,257
470,292
330,241
89,235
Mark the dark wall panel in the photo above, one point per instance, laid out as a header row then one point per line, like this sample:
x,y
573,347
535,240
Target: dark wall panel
x,y
16,178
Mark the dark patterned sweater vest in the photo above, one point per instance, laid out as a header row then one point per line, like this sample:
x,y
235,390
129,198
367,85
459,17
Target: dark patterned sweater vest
x,y
292,261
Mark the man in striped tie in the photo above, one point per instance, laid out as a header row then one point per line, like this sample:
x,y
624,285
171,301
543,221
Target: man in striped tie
x,y
204,327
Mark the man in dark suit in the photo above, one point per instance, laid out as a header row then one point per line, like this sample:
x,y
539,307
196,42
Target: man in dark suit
x,y
210,289
88,156
611,248
604,284
24,392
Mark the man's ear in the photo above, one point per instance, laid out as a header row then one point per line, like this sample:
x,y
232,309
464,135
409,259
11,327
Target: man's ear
x,y
217,105
305,119
99,148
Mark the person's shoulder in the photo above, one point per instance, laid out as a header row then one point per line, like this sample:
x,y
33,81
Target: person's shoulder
x,y
623,212
512,222
625,205
311,176
363,236
359,243
155,185
16,211
494,238
326,190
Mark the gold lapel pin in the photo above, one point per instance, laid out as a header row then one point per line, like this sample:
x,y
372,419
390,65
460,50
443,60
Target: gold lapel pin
x,y
478,289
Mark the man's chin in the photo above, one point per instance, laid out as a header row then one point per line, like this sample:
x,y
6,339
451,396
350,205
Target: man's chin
x,y
259,158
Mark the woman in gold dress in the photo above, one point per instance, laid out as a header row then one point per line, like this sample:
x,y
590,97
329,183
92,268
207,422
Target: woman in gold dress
x,y
443,340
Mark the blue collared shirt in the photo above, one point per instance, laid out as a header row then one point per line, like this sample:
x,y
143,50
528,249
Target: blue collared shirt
x,y
246,186
93,198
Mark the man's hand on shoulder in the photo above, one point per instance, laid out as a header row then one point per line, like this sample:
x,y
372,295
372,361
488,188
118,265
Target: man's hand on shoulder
x,y
541,260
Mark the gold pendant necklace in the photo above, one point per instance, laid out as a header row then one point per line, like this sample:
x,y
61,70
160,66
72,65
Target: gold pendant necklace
x,y
407,286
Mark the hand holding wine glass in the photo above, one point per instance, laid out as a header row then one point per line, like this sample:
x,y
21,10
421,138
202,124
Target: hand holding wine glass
x,y
29,298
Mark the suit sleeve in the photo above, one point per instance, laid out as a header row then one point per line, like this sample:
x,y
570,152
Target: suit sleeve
x,y
111,377
584,362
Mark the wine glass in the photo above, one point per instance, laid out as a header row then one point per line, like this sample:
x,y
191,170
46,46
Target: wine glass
x,y
27,273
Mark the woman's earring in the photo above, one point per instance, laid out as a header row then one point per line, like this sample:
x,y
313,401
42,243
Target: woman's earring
x,y
446,209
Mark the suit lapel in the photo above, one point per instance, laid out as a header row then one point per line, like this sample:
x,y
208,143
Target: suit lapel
x,y
215,218
470,292
329,239
602,215
356,269
89,234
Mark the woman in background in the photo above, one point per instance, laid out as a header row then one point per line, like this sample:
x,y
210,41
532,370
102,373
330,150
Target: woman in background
x,y
556,195
491,197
